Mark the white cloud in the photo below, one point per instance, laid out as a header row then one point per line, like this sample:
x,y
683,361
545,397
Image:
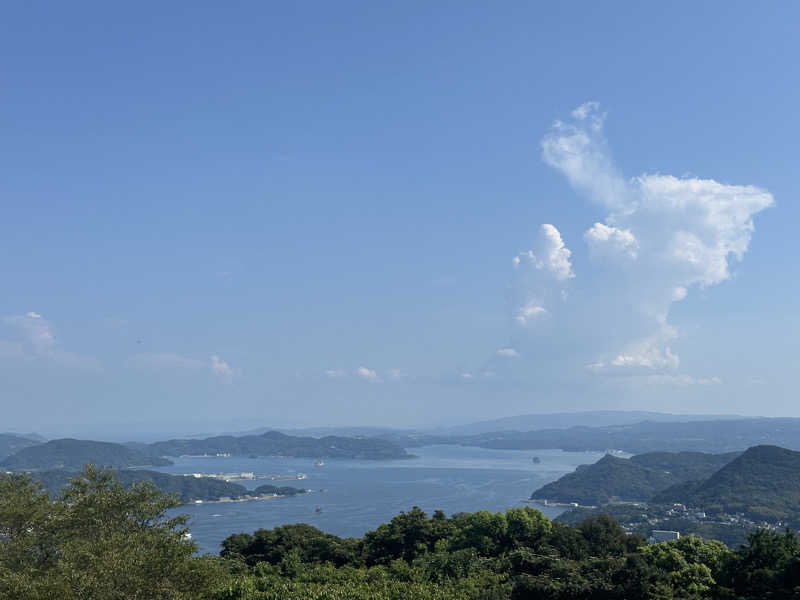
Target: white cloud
x,y
40,343
367,374
549,255
586,109
528,313
222,369
467,376
507,352
661,237
611,243
642,357
36,330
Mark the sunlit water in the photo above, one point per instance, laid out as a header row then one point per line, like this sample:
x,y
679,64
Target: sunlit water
x,y
361,494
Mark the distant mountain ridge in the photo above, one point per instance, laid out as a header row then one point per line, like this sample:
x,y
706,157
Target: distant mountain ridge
x,y
71,454
526,422
637,478
566,420
729,435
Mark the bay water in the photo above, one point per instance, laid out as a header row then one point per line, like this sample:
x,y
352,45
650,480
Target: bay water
x,y
359,495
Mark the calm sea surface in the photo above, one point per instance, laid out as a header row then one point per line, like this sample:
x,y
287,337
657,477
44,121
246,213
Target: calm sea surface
x,y
361,494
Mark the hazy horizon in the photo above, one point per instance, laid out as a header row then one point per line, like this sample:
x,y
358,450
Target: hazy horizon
x,y
394,215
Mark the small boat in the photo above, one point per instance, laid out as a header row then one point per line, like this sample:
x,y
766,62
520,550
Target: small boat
x,y
536,460
318,510
319,463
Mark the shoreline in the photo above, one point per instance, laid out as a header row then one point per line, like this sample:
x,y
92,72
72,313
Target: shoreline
x,y
242,499
545,502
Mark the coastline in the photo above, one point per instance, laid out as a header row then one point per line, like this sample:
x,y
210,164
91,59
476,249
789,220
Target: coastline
x,y
246,498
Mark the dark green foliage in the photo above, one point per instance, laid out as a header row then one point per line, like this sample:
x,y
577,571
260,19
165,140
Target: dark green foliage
x,y
767,567
482,556
406,536
100,540
73,454
274,443
281,490
104,541
308,544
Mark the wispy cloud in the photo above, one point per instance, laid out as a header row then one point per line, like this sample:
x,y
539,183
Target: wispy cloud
x,y
367,374
173,362
36,330
39,342
364,373
222,369
335,373
507,352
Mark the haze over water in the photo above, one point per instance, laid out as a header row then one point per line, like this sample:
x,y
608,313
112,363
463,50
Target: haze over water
x,y
363,494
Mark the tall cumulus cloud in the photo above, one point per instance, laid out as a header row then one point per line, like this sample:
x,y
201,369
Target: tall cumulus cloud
x,y
661,237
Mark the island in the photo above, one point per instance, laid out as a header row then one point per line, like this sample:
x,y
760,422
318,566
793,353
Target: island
x,y
71,454
273,443
188,488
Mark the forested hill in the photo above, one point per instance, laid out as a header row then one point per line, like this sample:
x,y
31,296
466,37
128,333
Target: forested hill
x,y
274,443
73,454
762,483
11,443
186,488
634,479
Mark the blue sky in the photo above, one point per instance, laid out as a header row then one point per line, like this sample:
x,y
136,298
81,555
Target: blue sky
x,y
307,214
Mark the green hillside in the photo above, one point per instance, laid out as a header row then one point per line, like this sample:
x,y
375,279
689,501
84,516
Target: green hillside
x,y
11,443
685,465
762,483
274,443
73,454
634,479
